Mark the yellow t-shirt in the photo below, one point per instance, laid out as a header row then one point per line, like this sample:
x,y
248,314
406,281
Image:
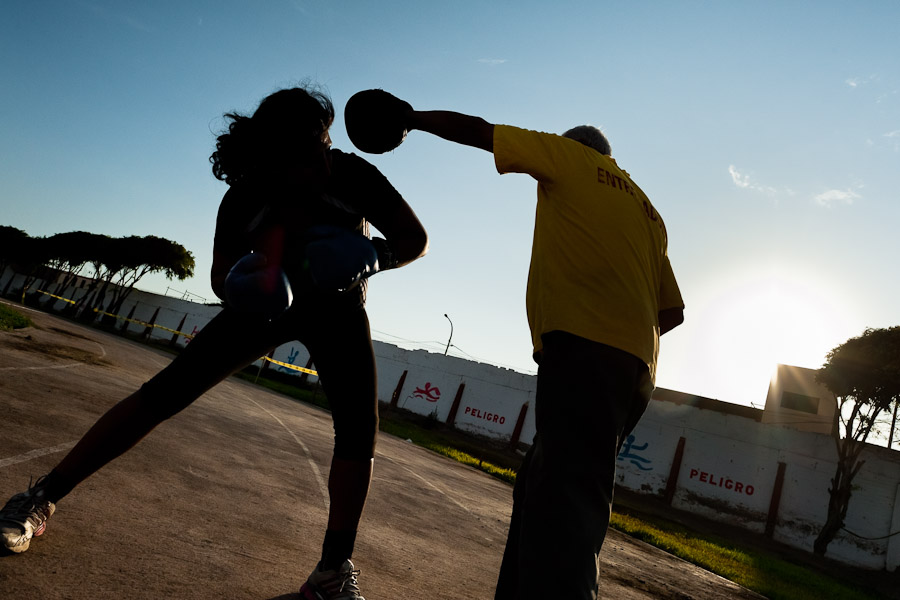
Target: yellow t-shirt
x,y
599,264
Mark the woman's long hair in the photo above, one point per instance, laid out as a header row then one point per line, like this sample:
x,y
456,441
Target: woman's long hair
x,y
285,121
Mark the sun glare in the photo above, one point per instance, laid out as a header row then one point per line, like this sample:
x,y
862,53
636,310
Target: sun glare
x,y
760,317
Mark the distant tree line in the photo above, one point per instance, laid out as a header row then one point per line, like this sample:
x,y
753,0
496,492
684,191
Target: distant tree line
x,y
112,265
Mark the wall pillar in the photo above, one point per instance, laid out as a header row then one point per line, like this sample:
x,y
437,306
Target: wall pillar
x,y
304,377
520,423
265,364
892,559
672,481
149,329
178,329
451,418
772,519
395,397
127,320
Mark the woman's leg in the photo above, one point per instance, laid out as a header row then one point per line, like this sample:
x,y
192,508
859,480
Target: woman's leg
x,y
224,346
342,351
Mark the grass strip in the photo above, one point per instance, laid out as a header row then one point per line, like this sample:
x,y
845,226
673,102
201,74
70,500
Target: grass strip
x,y
772,577
425,439
12,319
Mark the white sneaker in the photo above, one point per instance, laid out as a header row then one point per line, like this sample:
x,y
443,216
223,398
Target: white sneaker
x,y
25,516
339,584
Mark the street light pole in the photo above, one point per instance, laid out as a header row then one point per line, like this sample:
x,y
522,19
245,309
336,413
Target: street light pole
x,y
451,336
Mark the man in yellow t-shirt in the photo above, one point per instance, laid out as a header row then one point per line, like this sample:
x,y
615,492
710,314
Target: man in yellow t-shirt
x,y
601,291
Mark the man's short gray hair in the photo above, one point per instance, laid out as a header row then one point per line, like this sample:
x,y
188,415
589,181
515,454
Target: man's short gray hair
x,y
591,137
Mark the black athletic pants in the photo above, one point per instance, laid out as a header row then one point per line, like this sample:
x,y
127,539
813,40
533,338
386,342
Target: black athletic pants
x,y
339,343
589,398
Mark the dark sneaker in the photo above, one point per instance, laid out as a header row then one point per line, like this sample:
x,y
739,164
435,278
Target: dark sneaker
x,y
25,516
340,584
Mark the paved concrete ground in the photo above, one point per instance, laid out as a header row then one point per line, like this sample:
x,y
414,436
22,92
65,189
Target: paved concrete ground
x,y
228,499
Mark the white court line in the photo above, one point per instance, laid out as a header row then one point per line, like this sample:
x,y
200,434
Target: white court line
x,y
12,460
323,487
102,349
429,484
499,531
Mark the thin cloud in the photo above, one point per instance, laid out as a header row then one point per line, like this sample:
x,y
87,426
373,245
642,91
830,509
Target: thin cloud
x,y
856,82
885,96
832,197
744,181
492,61
826,199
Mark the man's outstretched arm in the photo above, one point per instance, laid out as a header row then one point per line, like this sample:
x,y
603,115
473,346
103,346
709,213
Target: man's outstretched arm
x,y
453,126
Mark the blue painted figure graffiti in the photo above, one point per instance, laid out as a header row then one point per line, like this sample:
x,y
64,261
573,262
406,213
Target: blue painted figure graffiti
x,y
636,460
292,356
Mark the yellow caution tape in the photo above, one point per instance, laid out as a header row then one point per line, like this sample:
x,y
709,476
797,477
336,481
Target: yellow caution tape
x,y
138,322
290,366
187,335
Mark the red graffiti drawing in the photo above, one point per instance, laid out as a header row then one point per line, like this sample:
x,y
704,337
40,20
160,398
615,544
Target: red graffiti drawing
x,y
432,394
190,336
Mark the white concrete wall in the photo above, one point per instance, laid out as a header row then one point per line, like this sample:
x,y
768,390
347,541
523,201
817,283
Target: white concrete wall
x,y
728,474
730,459
491,400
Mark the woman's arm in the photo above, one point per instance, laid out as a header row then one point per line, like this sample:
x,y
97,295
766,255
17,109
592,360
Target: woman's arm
x,y
363,186
406,237
228,247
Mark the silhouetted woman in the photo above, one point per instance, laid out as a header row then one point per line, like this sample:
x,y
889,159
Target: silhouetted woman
x,y
294,222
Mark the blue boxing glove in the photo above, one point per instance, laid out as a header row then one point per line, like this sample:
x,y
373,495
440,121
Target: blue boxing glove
x,y
254,288
338,258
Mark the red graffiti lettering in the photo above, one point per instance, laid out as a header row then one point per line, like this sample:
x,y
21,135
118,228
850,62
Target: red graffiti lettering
x,y
493,418
722,482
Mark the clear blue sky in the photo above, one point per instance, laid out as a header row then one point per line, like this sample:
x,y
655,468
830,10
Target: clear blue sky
x,y
766,133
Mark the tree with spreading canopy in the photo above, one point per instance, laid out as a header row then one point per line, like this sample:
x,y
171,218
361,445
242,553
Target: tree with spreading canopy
x,y
70,253
863,373
118,263
10,244
30,259
140,256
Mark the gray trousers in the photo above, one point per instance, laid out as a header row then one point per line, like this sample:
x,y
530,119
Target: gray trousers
x,y
589,398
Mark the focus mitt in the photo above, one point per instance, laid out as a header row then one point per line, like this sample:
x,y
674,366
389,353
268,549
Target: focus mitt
x,y
375,120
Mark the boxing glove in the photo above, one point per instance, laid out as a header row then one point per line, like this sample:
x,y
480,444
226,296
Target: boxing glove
x,y
337,258
256,288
